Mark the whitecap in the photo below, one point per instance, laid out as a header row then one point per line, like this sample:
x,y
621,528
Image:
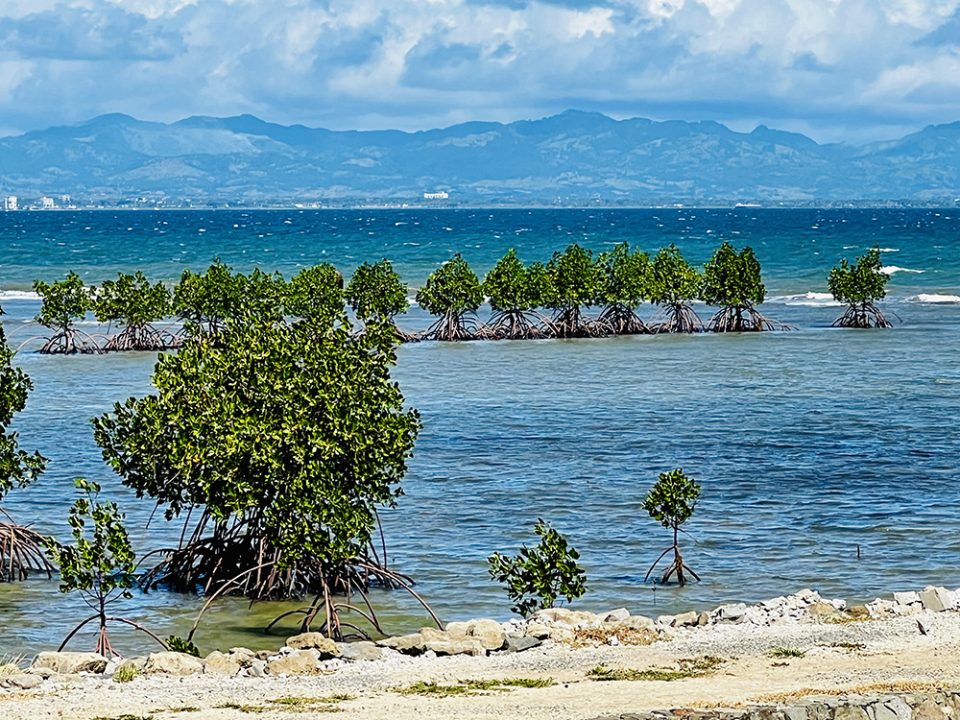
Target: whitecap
x,y
936,298
889,250
808,299
891,269
18,295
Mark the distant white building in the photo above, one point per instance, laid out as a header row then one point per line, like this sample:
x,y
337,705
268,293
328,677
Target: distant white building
x,y
10,203
47,203
442,195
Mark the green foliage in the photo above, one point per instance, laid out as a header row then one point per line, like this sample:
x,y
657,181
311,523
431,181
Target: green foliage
x,y
178,644
132,301
624,276
377,292
575,280
315,293
859,283
453,288
102,565
536,577
673,281
208,301
512,287
732,279
672,499
296,435
64,302
127,672
18,468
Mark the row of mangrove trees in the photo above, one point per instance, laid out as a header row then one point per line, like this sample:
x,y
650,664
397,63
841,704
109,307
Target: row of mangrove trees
x,y
535,300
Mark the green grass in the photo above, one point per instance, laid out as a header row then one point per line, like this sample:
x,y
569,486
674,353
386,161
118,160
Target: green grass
x,y
125,716
687,668
183,709
782,651
472,687
126,673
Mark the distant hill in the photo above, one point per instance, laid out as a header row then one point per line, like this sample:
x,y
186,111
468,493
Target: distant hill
x,y
570,157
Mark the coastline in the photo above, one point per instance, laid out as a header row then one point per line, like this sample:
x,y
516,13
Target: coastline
x,y
779,651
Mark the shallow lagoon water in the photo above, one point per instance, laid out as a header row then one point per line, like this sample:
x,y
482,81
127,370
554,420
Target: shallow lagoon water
x,y
808,443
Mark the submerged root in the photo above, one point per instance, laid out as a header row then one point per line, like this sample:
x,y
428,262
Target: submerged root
x,y
742,318
21,552
70,341
571,323
863,315
677,318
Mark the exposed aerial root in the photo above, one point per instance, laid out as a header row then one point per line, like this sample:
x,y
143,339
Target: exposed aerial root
x,y
620,319
571,323
517,325
452,326
863,315
742,318
69,342
21,552
677,318
141,337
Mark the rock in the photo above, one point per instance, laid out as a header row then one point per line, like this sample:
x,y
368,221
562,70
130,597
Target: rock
x,y
454,646
824,611
703,619
8,669
20,681
881,608
216,663
358,651
937,599
730,613
131,666
850,712
893,708
637,622
615,616
539,631
489,632
173,663
411,644
666,620
929,710
298,662
68,663
923,626
515,644
314,641
906,598
257,668
570,618
858,612
686,619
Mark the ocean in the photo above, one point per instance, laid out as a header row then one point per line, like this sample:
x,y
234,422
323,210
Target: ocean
x,y
828,458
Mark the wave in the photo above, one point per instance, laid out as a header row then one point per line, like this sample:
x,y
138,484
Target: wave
x,y
935,298
18,295
808,299
891,269
884,250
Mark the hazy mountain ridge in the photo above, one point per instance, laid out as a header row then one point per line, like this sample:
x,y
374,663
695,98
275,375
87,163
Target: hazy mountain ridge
x,y
571,156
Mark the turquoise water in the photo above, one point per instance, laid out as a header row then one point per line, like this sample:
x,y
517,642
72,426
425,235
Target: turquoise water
x,y
808,444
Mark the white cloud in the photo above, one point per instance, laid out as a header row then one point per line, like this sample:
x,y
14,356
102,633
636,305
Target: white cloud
x,y
847,67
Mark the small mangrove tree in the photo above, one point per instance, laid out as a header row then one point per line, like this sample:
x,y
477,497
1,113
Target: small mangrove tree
x,y
574,283
453,293
671,502
625,282
515,292
860,286
134,303
674,284
64,303
732,282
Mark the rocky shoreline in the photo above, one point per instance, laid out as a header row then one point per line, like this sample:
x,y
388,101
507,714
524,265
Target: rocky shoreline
x,y
556,649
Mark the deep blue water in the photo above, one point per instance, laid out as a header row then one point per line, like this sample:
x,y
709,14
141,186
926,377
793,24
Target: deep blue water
x,y
807,443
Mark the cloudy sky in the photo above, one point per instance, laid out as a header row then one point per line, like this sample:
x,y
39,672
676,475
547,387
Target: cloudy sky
x,y
836,69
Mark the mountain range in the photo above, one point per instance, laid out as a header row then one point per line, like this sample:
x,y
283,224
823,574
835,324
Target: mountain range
x,y
567,158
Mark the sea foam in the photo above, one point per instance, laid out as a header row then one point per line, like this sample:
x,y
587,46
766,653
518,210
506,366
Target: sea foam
x,y
808,299
935,298
891,269
18,295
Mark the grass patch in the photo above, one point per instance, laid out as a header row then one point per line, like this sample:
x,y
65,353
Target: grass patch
x,y
625,635
125,716
242,708
183,709
308,701
126,673
782,651
686,668
905,686
848,646
10,665
472,687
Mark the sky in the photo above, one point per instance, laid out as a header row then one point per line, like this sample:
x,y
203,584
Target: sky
x,y
837,70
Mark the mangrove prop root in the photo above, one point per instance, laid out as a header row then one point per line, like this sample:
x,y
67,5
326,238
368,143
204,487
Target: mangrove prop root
x,y
570,322
677,318
452,326
619,319
141,337
70,341
517,325
863,315
742,318
21,552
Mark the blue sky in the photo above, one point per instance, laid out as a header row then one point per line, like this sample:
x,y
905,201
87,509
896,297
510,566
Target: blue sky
x,y
852,70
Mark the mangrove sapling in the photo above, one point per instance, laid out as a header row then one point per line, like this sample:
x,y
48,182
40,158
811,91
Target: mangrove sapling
x,y
134,303
515,292
674,284
536,577
732,281
671,502
860,286
625,281
377,294
21,548
315,294
274,445
575,283
64,303
453,293
100,564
